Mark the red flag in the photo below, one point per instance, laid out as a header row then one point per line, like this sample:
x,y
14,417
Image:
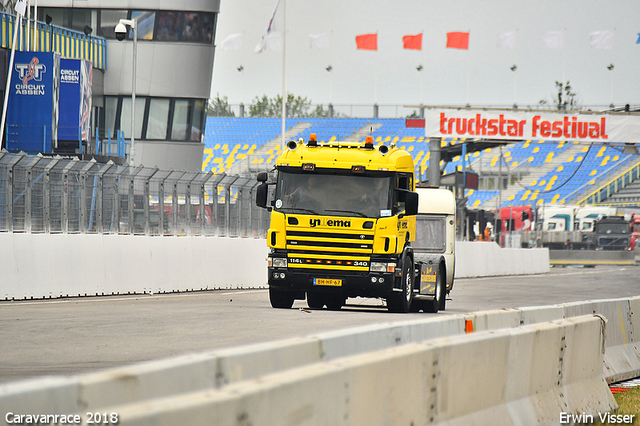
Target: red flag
x,y
457,40
412,41
367,42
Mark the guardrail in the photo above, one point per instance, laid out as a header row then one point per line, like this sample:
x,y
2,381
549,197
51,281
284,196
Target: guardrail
x,y
612,186
514,366
51,38
65,195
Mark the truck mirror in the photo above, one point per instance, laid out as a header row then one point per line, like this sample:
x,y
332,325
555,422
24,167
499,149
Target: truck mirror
x,y
262,191
411,203
263,176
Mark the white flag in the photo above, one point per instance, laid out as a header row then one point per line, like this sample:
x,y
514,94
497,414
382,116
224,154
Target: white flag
x,y
274,41
507,40
275,24
21,7
601,39
319,41
553,39
233,42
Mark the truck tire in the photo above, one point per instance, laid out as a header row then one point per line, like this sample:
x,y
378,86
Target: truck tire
x,y
432,306
443,295
315,300
281,299
401,302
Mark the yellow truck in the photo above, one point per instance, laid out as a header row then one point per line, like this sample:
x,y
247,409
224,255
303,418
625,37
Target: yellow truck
x,y
343,219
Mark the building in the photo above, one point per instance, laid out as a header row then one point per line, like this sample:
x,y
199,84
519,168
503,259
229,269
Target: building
x,y
175,52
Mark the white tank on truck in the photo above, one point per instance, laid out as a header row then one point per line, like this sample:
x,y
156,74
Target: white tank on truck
x,y
434,247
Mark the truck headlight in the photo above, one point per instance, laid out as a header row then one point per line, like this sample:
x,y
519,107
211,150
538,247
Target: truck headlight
x,y
378,267
279,262
382,267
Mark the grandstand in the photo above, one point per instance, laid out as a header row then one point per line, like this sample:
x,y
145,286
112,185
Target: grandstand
x,y
553,172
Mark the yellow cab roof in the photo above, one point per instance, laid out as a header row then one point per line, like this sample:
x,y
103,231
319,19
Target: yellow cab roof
x,y
344,155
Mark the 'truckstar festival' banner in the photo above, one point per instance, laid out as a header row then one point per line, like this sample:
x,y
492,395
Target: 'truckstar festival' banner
x,y
532,125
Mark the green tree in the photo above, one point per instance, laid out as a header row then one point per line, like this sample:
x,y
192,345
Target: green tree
x,y
297,107
565,98
219,107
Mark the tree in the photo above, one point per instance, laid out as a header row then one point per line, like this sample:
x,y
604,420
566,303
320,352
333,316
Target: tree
x,y
219,107
564,98
297,107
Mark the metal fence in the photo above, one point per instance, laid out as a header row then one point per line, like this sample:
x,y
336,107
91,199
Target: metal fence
x,y
65,195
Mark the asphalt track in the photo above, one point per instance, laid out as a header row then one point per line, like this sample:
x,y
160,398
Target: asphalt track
x,y
68,336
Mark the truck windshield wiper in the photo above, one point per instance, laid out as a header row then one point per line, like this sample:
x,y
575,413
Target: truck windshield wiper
x,y
299,209
347,211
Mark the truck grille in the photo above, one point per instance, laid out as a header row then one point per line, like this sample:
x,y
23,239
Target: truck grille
x,y
329,250
613,243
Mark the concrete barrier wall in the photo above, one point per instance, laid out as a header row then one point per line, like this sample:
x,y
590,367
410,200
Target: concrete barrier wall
x,y
481,259
61,265
204,372
528,375
66,265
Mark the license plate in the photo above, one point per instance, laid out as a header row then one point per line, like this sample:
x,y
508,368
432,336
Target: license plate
x,y
431,278
327,281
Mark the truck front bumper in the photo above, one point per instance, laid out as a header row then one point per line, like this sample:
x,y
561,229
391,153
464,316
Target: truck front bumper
x,y
368,284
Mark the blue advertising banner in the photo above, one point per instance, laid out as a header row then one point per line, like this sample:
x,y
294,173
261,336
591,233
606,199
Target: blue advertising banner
x,y
75,100
32,114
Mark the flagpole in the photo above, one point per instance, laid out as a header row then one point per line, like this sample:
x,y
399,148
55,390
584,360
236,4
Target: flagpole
x,y
284,71
8,86
515,74
35,26
564,66
28,49
613,51
375,89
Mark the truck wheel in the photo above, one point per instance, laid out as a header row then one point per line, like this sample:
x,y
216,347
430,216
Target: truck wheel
x,y
432,306
443,295
401,302
281,299
315,300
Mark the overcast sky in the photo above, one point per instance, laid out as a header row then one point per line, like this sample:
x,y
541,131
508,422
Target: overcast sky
x,y
480,75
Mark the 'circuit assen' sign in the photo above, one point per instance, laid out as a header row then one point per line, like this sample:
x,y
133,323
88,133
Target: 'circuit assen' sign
x,y
532,125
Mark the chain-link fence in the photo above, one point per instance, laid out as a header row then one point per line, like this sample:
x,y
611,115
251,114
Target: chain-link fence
x,y
62,195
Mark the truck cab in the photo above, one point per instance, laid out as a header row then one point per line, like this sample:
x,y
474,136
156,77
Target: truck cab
x,y
343,217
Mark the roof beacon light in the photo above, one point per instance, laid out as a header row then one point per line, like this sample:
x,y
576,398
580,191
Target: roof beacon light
x,y
313,140
368,142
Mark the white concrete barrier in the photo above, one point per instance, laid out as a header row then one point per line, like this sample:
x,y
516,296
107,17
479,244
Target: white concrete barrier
x,y
67,265
482,259
529,375
36,266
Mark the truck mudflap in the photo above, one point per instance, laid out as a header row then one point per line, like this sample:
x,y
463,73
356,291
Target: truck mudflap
x,y
427,269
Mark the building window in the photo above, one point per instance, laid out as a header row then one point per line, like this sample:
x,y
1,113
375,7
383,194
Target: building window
x,y
180,120
158,118
125,116
146,23
108,21
198,120
191,27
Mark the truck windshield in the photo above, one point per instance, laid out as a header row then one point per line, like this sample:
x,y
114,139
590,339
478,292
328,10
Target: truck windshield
x,y
333,195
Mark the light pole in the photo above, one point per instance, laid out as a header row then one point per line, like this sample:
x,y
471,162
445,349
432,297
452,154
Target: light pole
x,y
121,31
